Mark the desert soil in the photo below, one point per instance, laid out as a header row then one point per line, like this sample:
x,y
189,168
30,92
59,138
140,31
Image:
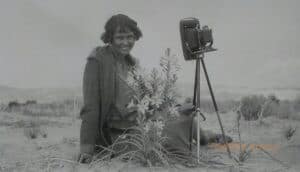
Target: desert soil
x,y
56,146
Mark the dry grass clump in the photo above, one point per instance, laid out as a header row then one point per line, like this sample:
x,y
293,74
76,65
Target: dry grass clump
x,y
146,147
54,109
48,110
289,132
244,154
140,146
33,129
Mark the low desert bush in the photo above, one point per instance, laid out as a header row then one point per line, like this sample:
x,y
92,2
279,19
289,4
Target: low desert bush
x,y
251,106
54,109
44,110
255,107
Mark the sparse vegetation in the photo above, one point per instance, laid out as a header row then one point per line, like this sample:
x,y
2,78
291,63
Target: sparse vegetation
x,y
244,153
128,150
55,109
141,145
256,107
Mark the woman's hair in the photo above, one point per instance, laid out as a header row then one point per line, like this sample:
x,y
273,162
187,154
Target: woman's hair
x,y
124,23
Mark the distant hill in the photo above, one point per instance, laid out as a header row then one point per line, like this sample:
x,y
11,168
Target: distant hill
x,y
223,92
40,94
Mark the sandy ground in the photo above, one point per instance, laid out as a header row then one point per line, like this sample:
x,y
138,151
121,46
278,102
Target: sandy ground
x,y
59,149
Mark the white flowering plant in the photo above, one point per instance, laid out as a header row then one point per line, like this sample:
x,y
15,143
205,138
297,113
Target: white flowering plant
x,y
156,93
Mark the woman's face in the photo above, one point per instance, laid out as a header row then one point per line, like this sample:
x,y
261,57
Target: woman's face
x,y
123,41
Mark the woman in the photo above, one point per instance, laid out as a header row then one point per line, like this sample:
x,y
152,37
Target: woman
x,y
105,93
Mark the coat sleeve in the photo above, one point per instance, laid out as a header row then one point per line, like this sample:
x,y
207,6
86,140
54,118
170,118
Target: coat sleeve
x,y
90,112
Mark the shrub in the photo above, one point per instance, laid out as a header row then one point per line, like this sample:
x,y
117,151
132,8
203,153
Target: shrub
x,y
12,105
258,106
56,109
251,106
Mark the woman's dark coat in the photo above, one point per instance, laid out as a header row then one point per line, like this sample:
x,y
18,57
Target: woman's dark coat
x,y
99,83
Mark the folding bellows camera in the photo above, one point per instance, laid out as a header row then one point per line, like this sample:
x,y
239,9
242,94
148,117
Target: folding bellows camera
x,y
194,39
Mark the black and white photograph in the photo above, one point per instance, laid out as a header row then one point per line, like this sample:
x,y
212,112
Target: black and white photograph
x,y
146,86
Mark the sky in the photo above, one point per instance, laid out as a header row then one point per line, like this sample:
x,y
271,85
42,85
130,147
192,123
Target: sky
x,y
45,43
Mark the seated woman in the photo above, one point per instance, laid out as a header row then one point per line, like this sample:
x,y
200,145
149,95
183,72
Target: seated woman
x,y
104,115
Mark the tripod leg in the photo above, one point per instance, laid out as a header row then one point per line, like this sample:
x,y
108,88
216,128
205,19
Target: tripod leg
x,y
216,107
196,82
209,85
198,134
196,103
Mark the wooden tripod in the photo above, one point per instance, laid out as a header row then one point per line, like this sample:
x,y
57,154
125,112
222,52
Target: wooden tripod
x,y
196,103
